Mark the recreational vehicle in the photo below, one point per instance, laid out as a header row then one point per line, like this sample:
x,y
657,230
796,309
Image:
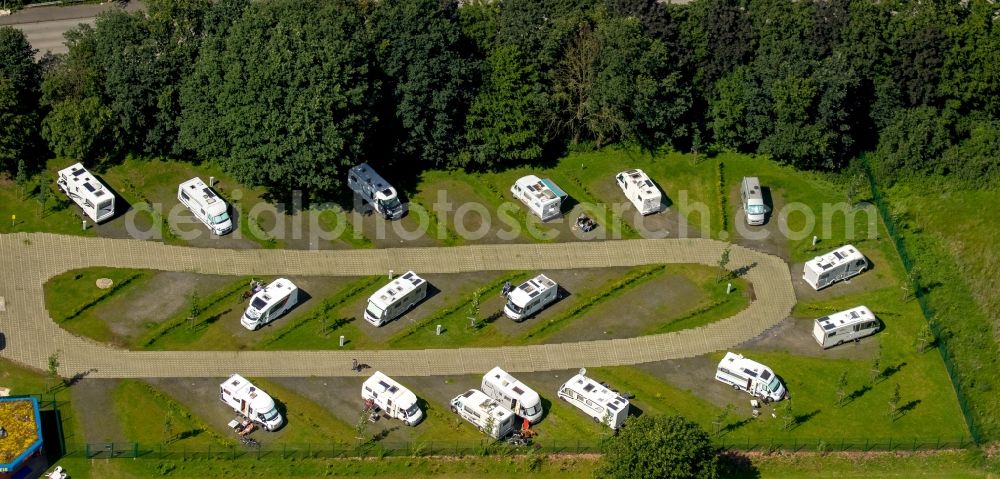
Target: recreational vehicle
x,y
750,376
269,303
375,191
392,398
753,200
850,325
840,264
206,205
541,196
251,402
530,297
600,403
512,393
94,198
484,413
640,190
395,298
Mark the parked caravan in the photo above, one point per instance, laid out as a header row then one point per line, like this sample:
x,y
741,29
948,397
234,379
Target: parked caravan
x,y
395,298
97,202
750,376
849,325
251,402
269,303
753,201
375,191
513,394
206,205
840,264
392,398
530,297
484,412
600,403
640,190
541,196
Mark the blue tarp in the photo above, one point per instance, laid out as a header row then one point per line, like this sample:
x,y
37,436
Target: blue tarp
x,y
555,189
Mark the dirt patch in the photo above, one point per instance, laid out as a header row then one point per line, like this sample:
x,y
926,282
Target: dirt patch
x,y
696,375
766,238
158,298
93,401
408,232
794,335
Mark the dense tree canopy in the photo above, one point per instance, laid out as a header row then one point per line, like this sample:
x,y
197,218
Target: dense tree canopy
x,y
659,447
288,94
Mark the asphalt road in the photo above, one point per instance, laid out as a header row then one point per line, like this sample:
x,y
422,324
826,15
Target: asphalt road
x,y
44,26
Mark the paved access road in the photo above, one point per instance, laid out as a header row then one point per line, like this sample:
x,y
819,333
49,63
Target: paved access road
x,y
31,336
45,26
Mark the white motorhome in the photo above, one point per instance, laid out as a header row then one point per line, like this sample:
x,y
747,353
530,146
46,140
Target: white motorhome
x,y
839,264
206,205
94,198
541,196
600,403
392,398
849,325
377,192
253,403
752,201
484,413
640,190
270,303
510,392
750,376
395,298
530,297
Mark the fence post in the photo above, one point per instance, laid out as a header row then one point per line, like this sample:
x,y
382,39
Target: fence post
x,y
86,450
135,449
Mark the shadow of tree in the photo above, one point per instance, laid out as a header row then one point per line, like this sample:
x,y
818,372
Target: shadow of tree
x,y
737,465
908,407
856,394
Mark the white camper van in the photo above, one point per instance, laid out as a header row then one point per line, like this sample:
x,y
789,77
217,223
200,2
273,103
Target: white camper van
x,y
270,303
840,264
600,403
97,201
530,297
485,413
377,192
752,200
395,298
750,376
838,328
512,393
640,190
541,196
206,205
248,400
392,398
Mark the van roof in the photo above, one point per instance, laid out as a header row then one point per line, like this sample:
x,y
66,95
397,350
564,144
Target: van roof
x,y
368,175
738,364
596,392
842,255
205,196
382,384
848,317
752,186
638,179
511,386
531,288
479,401
79,180
397,288
543,190
278,290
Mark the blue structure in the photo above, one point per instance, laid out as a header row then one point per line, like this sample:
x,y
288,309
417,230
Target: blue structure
x,y
13,466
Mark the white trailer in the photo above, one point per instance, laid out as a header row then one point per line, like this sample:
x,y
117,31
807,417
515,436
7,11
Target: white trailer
x,y
849,325
640,190
530,297
839,264
541,196
206,205
514,394
270,303
94,198
392,398
751,377
484,412
253,403
377,192
752,201
395,298
597,401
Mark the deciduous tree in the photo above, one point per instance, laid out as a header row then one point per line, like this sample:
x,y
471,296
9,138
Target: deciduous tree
x,y
661,447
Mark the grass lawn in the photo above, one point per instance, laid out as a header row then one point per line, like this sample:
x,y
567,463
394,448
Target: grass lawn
x,y
78,295
148,416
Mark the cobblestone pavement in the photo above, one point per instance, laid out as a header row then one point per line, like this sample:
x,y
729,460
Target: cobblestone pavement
x,y
30,336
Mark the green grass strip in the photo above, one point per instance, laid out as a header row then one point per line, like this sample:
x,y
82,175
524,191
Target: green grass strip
x,y
98,300
181,318
329,304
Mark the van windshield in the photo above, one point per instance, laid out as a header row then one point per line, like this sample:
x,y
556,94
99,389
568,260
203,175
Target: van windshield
x,y
374,311
390,205
224,217
774,385
515,308
270,415
412,411
531,411
756,209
